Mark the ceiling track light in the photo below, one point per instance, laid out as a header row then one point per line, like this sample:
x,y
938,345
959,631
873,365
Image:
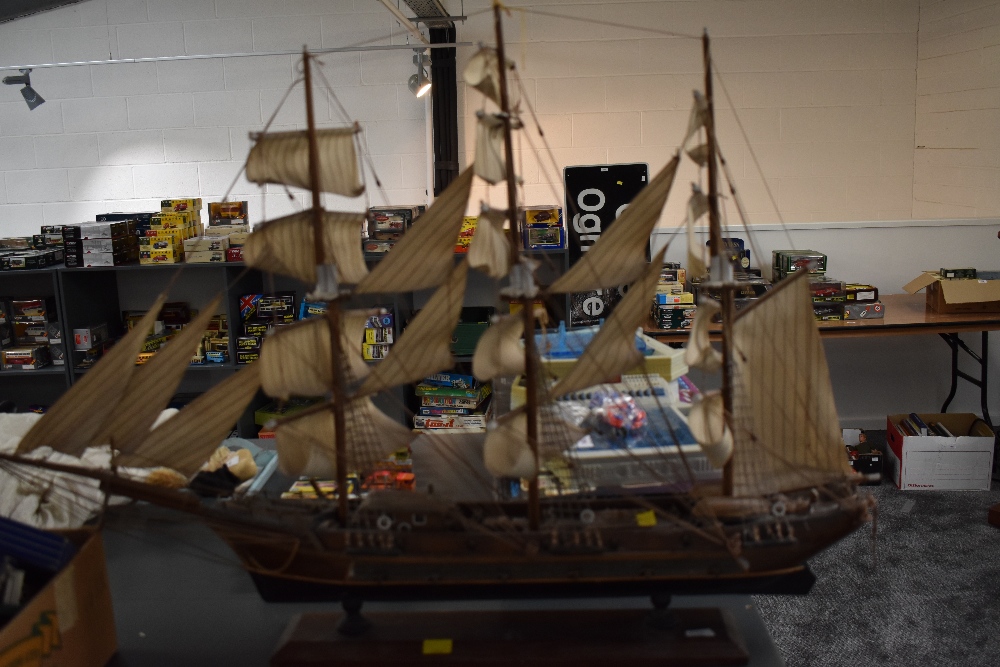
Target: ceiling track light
x,y
420,82
32,98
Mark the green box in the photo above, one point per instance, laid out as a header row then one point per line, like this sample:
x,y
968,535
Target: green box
x,y
472,324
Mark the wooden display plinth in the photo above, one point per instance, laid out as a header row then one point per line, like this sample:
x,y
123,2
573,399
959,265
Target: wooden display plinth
x,y
633,637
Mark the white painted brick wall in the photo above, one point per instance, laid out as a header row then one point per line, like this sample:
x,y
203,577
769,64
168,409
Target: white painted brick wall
x,y
135,147
147,112
100,183
218,36
36,186
957,113
66,150
834,96
17,153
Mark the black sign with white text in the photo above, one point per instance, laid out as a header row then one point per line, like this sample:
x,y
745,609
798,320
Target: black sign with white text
x,y
595,197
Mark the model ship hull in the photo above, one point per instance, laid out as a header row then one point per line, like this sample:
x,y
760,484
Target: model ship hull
x,y
560,560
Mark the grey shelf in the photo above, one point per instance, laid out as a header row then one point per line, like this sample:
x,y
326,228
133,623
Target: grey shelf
x,y
44,370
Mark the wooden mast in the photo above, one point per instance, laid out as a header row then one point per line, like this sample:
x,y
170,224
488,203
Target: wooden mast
x,y
527,302
332,304
718,256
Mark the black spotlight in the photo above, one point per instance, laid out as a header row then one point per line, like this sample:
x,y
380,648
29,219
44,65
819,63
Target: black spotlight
x,y
32,98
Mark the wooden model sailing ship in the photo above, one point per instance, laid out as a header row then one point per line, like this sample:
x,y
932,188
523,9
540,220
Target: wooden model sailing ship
x,y
787,491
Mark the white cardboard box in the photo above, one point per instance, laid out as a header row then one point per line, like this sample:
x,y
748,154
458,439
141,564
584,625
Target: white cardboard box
x,y
964,462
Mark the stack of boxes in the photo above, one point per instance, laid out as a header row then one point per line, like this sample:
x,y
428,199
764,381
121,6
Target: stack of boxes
x,y
379,336
465,234
541,227
228,227
386,225
861,302
452,400
34,252
258,313
673,307
88,344
101,243
30,337
832,299
163,242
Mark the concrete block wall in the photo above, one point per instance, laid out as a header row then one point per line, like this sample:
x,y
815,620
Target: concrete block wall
x,y
824,93
121,137
957,157
828,97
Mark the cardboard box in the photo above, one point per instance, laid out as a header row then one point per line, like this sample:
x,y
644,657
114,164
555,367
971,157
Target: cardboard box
x,y
70,622
204,243
958,295
205,256
964,462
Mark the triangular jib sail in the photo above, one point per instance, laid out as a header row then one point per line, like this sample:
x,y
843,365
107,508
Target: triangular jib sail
x,y
425,346
425,255
70,425
613,351
785,427
620,255
185,441
153,384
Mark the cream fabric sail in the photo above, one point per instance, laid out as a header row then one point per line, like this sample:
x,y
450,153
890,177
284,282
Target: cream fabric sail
x,y
697,117
71,423
425,255
619,256
499,351
785,427
295,361
153,384
697,253
424,347
283,157
489,251
306,445
699,352
285,246
483,73
490,162
185,441
506,451
612,351
708,426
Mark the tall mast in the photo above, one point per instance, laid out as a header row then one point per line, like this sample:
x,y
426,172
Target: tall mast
x,y
718,256
332,304
527,303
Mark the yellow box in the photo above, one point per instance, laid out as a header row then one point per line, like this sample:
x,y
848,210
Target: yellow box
x,y
171,220
177,205
375,351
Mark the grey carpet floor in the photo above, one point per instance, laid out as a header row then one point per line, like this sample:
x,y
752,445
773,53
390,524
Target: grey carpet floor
x,y
931,598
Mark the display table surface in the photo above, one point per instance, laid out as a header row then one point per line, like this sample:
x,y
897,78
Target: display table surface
x,y
905,314
181,598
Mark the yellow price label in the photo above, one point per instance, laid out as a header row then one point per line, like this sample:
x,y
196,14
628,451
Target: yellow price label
x,y
437,647
646,519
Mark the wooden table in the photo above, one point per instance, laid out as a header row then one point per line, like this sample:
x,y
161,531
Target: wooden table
x,y
905,315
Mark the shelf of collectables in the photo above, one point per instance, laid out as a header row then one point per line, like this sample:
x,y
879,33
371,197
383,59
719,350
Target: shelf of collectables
x,y
42,385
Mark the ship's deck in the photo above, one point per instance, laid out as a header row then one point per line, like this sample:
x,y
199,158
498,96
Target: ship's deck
x,y
180,597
